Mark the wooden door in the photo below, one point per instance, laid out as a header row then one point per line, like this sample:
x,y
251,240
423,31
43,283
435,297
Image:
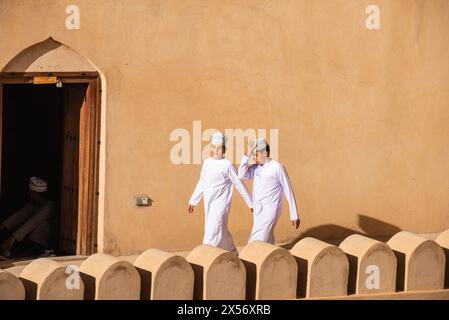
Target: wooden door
x,y
81,153
89,170
1,134
74,99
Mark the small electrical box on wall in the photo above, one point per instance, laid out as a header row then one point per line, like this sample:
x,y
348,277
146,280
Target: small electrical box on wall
x,y
142,201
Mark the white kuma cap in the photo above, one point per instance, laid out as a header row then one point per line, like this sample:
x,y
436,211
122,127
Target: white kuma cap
x,y
218,138
261,144
37,185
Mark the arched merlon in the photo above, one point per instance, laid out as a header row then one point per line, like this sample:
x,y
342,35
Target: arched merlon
x,y
421,262
11,288
443,241
322,269
107,278
372,265
164,276
219,274
46,279
272,272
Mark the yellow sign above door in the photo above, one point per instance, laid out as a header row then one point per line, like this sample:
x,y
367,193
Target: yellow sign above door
x,y
44,80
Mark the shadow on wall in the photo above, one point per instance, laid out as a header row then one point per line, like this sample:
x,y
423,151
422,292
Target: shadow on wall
x,y
335,234
26,57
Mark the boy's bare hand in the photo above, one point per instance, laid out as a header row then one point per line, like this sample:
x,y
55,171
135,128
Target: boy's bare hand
x,y
251,147
296,223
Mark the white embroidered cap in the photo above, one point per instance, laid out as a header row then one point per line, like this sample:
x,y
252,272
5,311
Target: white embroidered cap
x,y
261,144
37,185
219,138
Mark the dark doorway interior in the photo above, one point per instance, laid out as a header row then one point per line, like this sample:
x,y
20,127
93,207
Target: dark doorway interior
x,y
40,137
32,141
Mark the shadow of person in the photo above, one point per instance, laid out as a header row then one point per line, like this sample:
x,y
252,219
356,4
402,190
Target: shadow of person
x,y
335,234
377,229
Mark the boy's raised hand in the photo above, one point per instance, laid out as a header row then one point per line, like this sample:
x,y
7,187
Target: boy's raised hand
x,y
251,147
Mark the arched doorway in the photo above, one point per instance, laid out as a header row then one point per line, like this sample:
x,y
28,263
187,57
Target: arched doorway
x,y
50,127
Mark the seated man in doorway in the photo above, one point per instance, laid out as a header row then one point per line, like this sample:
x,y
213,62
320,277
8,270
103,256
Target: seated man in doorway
x,y
30,230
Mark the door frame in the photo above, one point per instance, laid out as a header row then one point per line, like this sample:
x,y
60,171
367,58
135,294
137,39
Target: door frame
x,y
89,149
